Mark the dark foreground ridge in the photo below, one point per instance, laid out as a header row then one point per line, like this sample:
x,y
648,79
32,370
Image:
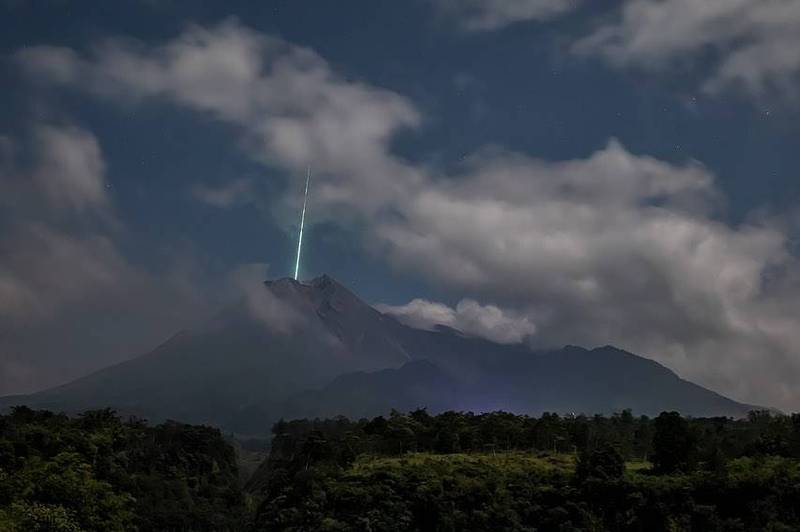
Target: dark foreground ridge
x,y
292,349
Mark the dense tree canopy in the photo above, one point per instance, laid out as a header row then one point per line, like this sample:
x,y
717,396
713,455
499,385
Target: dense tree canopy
x,y
412,471
499,471
95,472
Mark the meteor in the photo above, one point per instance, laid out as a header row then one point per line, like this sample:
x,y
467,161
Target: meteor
x,y
302,224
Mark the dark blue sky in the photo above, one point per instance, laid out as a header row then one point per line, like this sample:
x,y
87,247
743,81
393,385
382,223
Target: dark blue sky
x,y
520,85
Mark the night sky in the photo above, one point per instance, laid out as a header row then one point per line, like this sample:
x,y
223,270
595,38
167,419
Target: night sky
x,y
548,171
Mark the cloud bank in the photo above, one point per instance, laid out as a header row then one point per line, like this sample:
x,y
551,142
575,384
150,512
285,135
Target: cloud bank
x,y
70,299
468,316
291,106
751,46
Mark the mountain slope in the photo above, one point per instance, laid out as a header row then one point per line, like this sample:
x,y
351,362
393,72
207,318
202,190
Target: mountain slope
x,y
569,380
294,349
285,338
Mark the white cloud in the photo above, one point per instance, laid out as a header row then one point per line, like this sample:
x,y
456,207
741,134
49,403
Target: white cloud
x,y
468,316
65,176
484,15
70,301
45,269
613,248
293,108
71,170
753,45
263,302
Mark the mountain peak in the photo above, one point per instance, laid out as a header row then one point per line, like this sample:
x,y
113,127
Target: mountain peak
x,y
329,294
322,282
326,282
323,293
283,281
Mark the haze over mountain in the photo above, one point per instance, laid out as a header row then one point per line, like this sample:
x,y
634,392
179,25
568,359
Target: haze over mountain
x,y
292,349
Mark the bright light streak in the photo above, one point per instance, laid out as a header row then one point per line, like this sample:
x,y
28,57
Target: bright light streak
x,y
302,224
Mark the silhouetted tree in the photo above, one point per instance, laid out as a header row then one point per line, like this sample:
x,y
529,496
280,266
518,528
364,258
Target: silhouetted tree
x,y
603,462
673,444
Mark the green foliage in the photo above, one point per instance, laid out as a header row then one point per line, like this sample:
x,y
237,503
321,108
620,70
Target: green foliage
x,y
415,471
37,517
498,471
96,472
601,463
521,491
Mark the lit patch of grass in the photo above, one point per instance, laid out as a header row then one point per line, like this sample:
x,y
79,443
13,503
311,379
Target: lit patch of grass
x,y
637,466
509,462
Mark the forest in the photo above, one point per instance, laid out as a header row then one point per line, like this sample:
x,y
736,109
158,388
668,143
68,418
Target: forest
x,y
406,471
95,472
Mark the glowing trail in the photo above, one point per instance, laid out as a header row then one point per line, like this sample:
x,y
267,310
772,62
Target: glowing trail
x,y
302,223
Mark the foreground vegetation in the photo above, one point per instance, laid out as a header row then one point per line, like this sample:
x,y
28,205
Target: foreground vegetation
x,y
411,471
504,472
515,491
97,473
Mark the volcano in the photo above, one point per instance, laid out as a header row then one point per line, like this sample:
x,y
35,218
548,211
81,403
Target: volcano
x,y
291,349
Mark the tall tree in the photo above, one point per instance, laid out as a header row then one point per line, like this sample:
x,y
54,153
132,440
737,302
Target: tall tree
x,y
673,444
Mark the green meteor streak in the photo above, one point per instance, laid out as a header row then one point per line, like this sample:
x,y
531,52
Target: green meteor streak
x,y
302,223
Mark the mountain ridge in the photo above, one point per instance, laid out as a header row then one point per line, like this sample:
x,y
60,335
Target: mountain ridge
x,y
315,349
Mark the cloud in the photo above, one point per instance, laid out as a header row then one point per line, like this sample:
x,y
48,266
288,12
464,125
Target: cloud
x,y
45,269
70,300
229,194
66,175
753,46
613,247
485,15
71,170
468,316
293,109
264,303
72,303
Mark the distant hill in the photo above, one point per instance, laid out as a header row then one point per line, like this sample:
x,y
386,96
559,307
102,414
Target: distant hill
x,y
315,349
